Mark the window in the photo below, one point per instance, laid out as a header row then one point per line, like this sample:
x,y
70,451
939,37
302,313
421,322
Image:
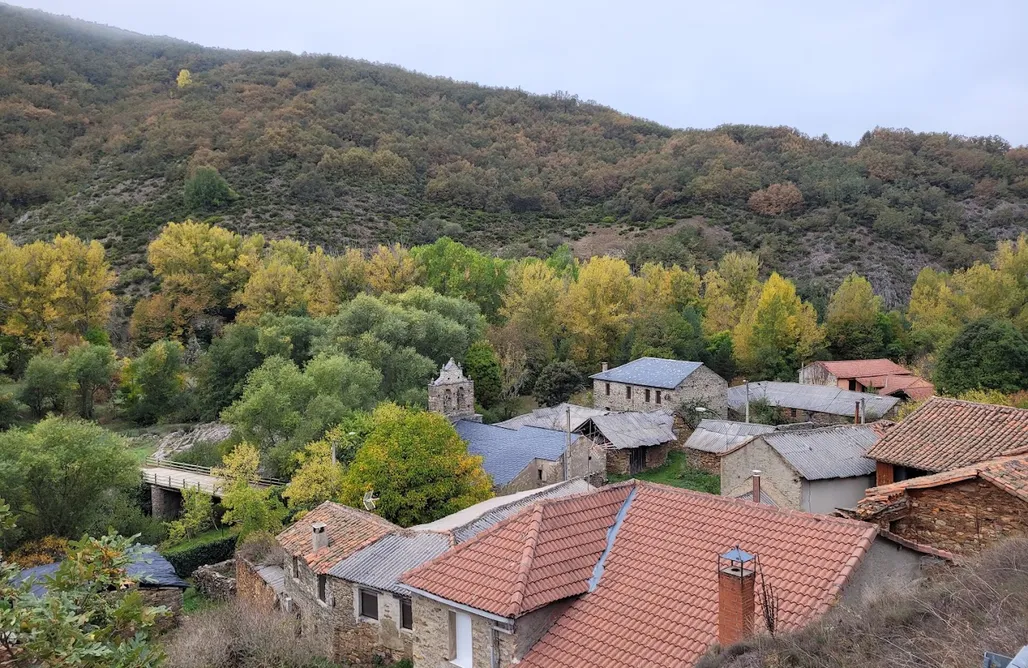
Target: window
x,y
646,395
628,392
792,412
853,385
406,614
608,388
369,604
322,586
540,474
658,397
460,639
296,568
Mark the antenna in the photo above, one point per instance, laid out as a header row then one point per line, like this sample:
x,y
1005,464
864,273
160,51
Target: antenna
x,y
370,499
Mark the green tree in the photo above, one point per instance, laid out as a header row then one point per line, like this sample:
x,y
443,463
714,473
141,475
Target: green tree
x,y
451,268
89,616
417,466
317,478
207,189
221,373
249,509
197,516
483,366
987,354
556,383
45,385
778,333
153,383
852,325
56,473
91,368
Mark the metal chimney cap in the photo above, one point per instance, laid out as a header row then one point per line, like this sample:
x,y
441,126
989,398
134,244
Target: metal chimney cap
x,y
737,555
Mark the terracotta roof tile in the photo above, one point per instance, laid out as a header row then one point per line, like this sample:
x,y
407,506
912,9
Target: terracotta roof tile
x,y
348,530
1008,473
541,555
863,368
656,601
946,434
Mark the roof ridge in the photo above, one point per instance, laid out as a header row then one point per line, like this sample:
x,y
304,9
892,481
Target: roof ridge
x,y
517,595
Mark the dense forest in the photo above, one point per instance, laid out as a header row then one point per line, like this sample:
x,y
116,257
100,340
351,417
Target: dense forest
x,y
101,130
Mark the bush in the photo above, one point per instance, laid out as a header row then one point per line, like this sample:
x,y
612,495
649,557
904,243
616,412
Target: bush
x,y
9,409
204,453
206,549
207,189
556,383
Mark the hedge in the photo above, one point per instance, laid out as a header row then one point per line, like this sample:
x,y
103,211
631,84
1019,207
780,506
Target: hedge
x,y
189,556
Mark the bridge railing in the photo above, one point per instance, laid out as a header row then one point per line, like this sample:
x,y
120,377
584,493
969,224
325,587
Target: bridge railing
x,y
173,482
203,470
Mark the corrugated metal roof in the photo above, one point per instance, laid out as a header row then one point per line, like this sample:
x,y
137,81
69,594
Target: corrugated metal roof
x,y
831,452
274,576
469,522
506,452
634,429
381,564
816,398
764,498
555,417
718,436
650,372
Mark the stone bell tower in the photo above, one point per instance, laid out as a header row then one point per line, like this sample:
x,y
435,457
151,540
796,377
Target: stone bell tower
x,y
453,394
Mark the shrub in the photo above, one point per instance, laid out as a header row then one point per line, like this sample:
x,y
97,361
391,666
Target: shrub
x,y
46,550
556,383
208,549
207,189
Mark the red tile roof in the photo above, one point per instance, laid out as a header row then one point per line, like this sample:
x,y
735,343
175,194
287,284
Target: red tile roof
x,y
657,597
864,368
542,555
916,388
945,434
348,530
1008,473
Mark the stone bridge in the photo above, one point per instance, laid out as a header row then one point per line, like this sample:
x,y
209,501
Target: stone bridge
x,y
167,479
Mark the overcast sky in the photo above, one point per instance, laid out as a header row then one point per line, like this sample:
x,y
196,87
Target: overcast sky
x,y
822,66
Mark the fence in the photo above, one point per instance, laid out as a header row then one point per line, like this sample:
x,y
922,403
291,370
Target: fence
x,y
194,481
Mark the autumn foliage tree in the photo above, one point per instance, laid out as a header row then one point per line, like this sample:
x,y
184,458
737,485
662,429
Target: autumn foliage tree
x,y
778,333
776,199
852,323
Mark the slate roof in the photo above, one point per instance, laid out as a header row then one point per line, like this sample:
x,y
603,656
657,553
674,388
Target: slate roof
x,y
650,372
816,398
863,368
348,530
633,429
553,417
543,554
506,452
764,498
381,564
945,434
827,453
719,436
147,566
654,599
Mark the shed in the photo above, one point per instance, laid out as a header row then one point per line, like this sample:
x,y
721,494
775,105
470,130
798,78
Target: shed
x,y
815,403
635,441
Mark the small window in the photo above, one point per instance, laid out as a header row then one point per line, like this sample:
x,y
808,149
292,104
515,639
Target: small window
x,y
608,389
646,395
296,568
369,604
853,385
628,392
658,397
792,412
540,474
322,586
406,614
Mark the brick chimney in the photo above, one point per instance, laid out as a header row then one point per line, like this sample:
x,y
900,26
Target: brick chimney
x,y
319,538
603,366
756,485
736,579
856,413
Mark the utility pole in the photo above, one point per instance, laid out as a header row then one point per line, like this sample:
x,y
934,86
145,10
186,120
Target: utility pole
x,y
747,384
567,442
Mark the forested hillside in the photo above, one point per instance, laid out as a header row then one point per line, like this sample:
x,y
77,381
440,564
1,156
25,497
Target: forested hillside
x,y
102,132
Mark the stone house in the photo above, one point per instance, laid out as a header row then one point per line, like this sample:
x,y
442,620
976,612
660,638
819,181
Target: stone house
x,y
712,438
652,383
813,470
819,404
960,511
880,376
338,572
530,457
632,441
627,576
945,434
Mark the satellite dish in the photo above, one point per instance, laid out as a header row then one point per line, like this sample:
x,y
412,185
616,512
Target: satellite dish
x,y
370,499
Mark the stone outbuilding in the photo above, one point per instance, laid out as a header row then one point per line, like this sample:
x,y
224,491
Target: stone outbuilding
x,y
713,438
960,511
653,383
813,470
632,441
877,376
820,404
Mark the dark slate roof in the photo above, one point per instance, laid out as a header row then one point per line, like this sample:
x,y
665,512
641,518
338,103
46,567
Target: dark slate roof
x,y
816,398
147,566
823,454
506,452
650,372
381,564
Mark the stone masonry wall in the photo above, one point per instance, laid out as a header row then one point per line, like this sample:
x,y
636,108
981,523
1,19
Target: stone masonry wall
x,y
962,517
703,461
432,638
779,481
657,455
252,588
317,619
618,462
703,387
366,642
169,597
216,581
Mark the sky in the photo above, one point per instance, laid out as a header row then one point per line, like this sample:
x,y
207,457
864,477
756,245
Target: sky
x,y
824,67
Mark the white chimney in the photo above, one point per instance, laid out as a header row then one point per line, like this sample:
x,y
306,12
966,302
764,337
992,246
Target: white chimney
x,y
756,485
604,366
319,538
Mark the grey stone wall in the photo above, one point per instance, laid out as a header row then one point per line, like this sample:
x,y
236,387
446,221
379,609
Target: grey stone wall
x,y
165,504
489,648
216,581
587,460
703,387
317,620
815,374
778,479
887,567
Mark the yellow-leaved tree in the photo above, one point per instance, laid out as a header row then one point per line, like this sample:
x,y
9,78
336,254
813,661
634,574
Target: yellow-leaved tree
x,y
778,333
277,288
852,328
596,309
530,305
334,279
727,290
184,78
248,509
317,477
392,269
